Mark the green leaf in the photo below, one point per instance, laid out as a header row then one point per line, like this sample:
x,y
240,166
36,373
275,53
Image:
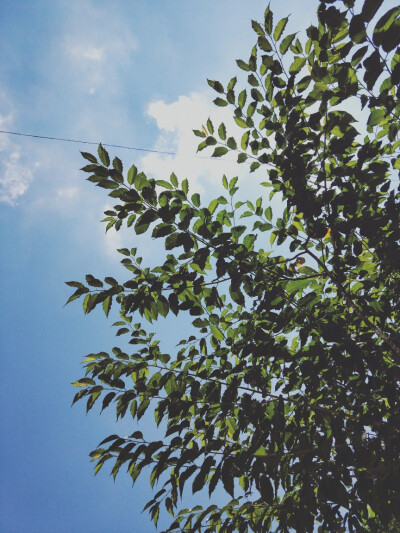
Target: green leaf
x,y
117,164
185,186
231,143
217,333
387,30
220,151
90,168
171,241
93,397
199,133
297,65
253,80
244,142
268,20
163,183
107,305
286,42
89,303
122,331
103,155
163,229
357,57
264,44
111,281
76,284
227,476
140,181
107,184
280,27
174,180
93,282
200,479
89,157
396,163
222,131
77,294
196,199
244,66
220,102
370,8
357,30
237,295
376,116
298,285
242,98
211,141
373,69
144,221
240,122
83,382
257,27
261,452
232,83
107,400
232,183
216,85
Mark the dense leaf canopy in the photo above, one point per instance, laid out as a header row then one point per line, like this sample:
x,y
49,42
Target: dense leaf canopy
x,y
287,392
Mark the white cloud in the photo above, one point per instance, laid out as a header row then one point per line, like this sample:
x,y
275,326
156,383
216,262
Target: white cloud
x,y
15,174
93,55
67,193
85,52
80,63
14,179
176,122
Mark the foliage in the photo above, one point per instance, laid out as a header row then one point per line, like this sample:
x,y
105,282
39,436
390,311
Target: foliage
x,y
287,394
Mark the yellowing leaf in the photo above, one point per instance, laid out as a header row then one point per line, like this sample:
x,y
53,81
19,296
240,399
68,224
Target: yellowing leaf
x,y
328,234
89,359
300,261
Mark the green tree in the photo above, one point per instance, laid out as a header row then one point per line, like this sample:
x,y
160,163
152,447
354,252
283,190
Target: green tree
x,y
287,392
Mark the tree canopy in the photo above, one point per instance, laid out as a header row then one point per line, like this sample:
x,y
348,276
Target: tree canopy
x,y
286,394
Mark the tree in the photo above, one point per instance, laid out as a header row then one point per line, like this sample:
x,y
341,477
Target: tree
x,y
287,394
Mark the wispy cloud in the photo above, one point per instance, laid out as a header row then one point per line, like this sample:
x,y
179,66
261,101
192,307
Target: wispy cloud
x,y
15,174
14,179
94,56
67,193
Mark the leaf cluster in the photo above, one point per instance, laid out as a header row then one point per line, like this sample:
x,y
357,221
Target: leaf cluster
x,y
287,394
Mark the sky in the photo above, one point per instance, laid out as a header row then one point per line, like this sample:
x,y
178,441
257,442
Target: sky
x,y
128,73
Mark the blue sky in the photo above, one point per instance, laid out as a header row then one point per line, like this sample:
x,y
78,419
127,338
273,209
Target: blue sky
x,y
131,73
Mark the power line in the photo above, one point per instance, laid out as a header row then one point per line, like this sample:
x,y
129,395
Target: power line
x,y
62,139
85,142
108,145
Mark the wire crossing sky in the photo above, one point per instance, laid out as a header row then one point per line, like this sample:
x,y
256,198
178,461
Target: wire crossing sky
x,y
44,137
